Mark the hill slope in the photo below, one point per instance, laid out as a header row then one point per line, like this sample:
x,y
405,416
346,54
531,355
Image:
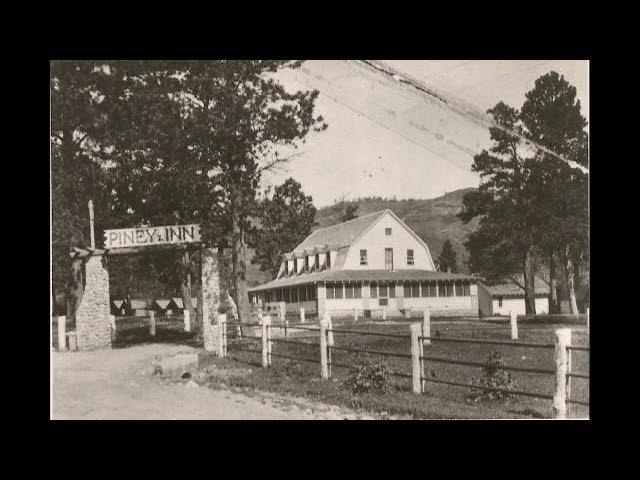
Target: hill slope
x,y
434,220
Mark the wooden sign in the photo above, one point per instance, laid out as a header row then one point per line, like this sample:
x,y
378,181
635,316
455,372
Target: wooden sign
x,y
147,236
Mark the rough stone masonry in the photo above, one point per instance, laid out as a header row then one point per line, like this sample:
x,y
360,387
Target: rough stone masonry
x,y
93,327
210,298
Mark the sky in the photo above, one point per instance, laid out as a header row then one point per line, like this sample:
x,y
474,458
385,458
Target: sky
x,y
387,140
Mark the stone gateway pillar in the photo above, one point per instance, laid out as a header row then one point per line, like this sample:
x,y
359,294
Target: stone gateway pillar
x,y
93,325
210,298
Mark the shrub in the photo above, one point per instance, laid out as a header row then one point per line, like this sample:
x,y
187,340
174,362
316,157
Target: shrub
x,y
492,377
369,377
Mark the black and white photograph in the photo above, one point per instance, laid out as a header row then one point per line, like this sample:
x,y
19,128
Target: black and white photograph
x,y
319,239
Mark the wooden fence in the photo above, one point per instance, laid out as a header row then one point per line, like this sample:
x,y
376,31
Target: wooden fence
x,y
419,335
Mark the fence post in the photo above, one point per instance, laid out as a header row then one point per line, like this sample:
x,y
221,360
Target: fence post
x,y
384,312
286,324
302,317
222,335
562,341
327,316
112,321
62,334
152,323
426,325
514,325
587,319
266,322
324,367
355,314
415,358
187,320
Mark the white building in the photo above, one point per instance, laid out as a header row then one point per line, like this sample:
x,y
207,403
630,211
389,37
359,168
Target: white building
x,y
508,297
371,263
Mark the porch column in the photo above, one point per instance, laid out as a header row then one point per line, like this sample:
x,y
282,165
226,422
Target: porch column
x,y
321,299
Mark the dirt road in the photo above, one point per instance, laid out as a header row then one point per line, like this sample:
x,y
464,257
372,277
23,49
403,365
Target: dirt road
x,y
118,384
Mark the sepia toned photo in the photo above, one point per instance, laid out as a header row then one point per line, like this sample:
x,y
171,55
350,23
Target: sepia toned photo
x,y
319,239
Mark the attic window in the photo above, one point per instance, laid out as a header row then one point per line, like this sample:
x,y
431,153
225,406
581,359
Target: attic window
x,y
387,231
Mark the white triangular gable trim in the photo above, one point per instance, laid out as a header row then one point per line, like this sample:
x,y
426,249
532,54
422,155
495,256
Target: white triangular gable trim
x,y
406,227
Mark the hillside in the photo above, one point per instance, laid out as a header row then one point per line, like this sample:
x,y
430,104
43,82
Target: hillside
x,y
434,220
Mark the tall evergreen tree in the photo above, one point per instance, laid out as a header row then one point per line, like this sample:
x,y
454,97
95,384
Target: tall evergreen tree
x,y
350,212
285,220
447,260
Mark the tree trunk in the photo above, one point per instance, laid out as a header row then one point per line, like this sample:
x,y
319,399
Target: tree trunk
x,y
529,286
238,260
571,286
554,306
185,285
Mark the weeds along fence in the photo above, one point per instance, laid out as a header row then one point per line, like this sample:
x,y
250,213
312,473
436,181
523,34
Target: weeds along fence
x,y
316,344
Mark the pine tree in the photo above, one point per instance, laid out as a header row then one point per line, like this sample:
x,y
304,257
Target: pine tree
x,y
285,220
447,260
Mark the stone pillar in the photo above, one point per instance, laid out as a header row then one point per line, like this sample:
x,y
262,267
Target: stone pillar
x,y
93,325
210,298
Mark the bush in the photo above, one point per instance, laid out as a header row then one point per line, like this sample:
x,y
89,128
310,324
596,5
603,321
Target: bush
x,y
369,377
493,377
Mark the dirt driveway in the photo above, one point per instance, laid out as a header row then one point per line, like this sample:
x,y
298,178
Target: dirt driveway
x,y
118,384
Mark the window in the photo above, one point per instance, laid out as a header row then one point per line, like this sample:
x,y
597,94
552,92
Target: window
x,y
317,264
387,231
463,289
373,290
295,265
363,257
279,295
383,290
429,289
348,291
384,301
412,289
339,293
306,263
327,262
331,293
357,293
458,289
311,292
294,294
500,301
409,257
286,267
388,258
447,288
392,290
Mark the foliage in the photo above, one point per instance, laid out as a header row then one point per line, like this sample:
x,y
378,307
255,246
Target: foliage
x,y
447,259
493,377
285,220
532,206
369,377
350,212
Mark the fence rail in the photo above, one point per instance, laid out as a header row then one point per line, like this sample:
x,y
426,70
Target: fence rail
x,y
419,337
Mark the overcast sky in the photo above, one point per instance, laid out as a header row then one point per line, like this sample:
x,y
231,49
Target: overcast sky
x,y
385,140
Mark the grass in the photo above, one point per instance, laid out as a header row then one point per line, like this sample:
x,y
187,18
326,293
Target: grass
x,y
440,401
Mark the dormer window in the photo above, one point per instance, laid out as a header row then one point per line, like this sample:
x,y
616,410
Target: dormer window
x,y
286,267
387,231
363,257
327,262
317,264
409,257
306,263
295,265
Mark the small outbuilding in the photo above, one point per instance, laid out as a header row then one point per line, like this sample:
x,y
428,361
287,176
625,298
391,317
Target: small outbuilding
x,y
508,296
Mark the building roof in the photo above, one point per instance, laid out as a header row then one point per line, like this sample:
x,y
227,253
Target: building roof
x,y
363,276
178,301
163,304
339,235
510,289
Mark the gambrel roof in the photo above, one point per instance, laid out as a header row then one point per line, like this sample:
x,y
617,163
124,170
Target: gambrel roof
x,y
339,235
